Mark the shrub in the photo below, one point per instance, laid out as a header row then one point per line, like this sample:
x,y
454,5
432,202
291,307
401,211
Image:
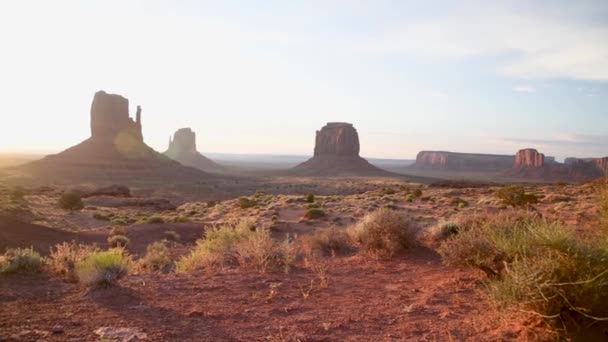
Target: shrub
x,y
21,260
103,268
314,213
310,198
172,235
211,204
17,194
71,201
246,202
118,230
417,193
459,202
120,221
235,245
64,256
535,265
100,216
118,241
388,191
313,205
445,231
516,196
328,241
384,233
156,258
155,219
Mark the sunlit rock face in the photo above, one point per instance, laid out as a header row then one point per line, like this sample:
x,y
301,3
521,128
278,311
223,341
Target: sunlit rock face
x,y
452,161
529,158
182,148
115,152
337,153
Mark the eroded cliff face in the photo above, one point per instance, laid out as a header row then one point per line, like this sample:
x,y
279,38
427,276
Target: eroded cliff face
x,y
337,153
451,161
183,149
110,118
529,158
337,138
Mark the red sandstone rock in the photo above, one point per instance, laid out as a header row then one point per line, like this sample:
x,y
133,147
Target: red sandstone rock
x,y
337,138
110,118
529,158
451,161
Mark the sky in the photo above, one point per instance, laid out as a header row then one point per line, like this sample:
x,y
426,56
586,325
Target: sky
x,y
263,76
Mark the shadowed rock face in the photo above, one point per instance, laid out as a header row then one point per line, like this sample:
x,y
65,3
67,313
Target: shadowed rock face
x,y
183,149
451,161
115,152
337,153
529,158
337,138
110,118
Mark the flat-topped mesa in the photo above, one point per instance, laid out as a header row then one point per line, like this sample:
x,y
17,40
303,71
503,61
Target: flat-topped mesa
x,y
602,164
529,158
453,161
110,118
184,141
338,139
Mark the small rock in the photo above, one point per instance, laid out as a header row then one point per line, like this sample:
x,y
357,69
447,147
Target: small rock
x,y
58,329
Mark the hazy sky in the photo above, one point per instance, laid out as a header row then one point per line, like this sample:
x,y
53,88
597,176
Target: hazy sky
x,y
262,76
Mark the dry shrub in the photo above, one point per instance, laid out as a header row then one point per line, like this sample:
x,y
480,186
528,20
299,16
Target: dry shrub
x,y
120,241
314,213
238,244
384,233
71,201
64,256
327,241
157,257
516,196
21,260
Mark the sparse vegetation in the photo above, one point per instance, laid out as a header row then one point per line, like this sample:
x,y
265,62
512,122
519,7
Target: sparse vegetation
x,y
103,268
101,216
154,219
17,194
384,233
328,241
21,260
118,230
310,198
71,201
118,241
516,196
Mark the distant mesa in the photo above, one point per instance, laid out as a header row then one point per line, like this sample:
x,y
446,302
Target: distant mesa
x,y
529,158
337,153
115,151
182,148
471,162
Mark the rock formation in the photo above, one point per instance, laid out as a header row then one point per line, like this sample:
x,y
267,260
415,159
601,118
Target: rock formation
x,y
529,158
470,162
115,151
183,149
337,153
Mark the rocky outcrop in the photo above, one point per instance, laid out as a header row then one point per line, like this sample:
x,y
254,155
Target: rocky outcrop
x,y
471,162
529,158
602,164
110,118
115,152
183,149
336,153
337,139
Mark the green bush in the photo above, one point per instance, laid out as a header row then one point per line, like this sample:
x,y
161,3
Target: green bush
x,y
21,260
246,202
446,231
118,241
516,196
103,268
384,233
64,256
314,213
310,198
417,193
157,257
71,201
155,219
535,265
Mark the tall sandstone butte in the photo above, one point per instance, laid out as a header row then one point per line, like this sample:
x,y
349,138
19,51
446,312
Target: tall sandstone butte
x,y
337,153
529,158
115,151
182,148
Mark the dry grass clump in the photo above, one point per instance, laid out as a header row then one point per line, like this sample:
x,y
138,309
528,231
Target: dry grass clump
x,y
314,213
536,265
384,233
64,256
327,241
103,268
238,244
157,257
246,202
21,260
119,241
